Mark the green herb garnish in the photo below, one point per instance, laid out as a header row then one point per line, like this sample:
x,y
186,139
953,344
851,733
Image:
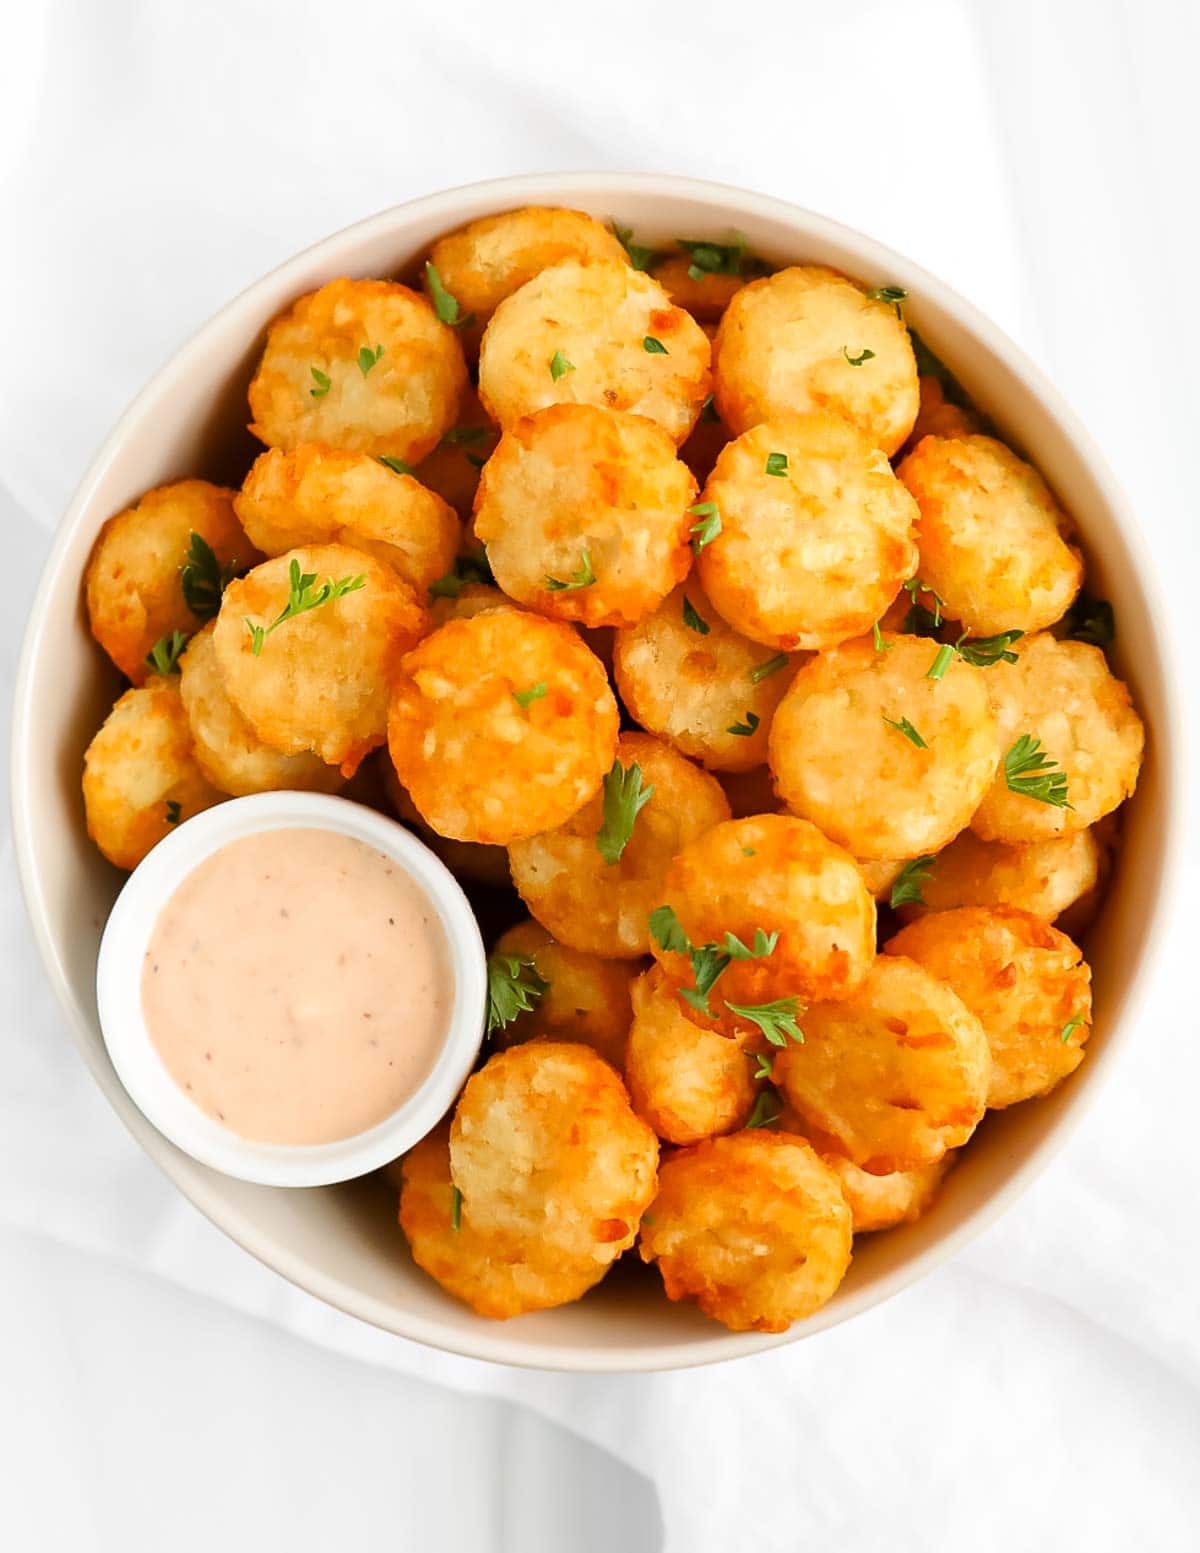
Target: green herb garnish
x,y
984,651
624,800
920,621
445,305
709,961
514,986
857,361
640,257
560,366
764,1066
708,410
303,595
323,382
367,358
1031,772
886,294
693,621
467,569
902,725
1090,620
943,658
877,635
466,436
763,945
203,578
525,698
769,666
667,931
582,577
704,532
767,1110
654,347
709,258
777,464
174,811
397,465
1069,1029
776,1020
163,657
906,887
744,730
455,1209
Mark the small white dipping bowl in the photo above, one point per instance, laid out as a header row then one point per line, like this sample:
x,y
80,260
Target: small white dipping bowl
x,y
141,1069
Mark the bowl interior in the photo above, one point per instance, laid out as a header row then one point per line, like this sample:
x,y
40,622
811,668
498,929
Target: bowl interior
x,y
341,1243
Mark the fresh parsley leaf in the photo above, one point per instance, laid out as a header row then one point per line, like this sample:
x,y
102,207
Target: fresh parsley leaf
x,y
367,358
709,258
624,800
560,366
749,852
639,257
767,1109
769,666
1069,1029
943,658
880,644
455,1209
921,621
902,725
857,361
776,1020
323,382
764,945
467,569
514,986
704,532
203,578
744,730
667,931
163,657
1031,772
886,294
1090,620
984,651
777,464
906,887
466,436
397,465
764,1066
445,305
525,698
708,410
654,347
303,595
582,577
174,811
692,620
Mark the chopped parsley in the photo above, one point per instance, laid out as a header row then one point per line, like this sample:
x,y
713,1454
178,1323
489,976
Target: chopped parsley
x,y
709,258
163,657
776,1020
1069,1029
906,887
763,945
769,666
902,725
777,464
640,257
1032,773
704,532
203,578
560,366
667,931
764,1066
467,569
708,410
455,1209
857,361
1090,620
525,698
942,660
445,305
624,800
397,465
693,620
984,651
323,382
709,961
514,987
582,577
466,436
877,636
886,294
368,358
920,621
767,1109
303,595
744,730
654,347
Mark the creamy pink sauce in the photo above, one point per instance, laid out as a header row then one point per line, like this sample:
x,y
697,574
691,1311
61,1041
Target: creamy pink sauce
x,y
297,986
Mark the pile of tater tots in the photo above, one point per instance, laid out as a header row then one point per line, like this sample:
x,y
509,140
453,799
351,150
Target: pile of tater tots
x,y
691,612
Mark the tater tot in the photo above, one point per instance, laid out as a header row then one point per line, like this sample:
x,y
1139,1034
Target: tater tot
x,y
1026,982
545,1146
360,364
473,598
879,874
498,1275
688,1083
578,333
1063,694
880,1202
586,997
139,777
464,859
604,906
452,469
501,726
135,585
225,746
779,875
816,534
885,791
687,676
1044,878
487,260
320,680
314,495
994,543
753,1227
938,417
806,338
893,1075
584,512
750,792
705,296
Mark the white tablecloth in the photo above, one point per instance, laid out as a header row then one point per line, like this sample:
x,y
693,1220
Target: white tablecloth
x,y
160,1388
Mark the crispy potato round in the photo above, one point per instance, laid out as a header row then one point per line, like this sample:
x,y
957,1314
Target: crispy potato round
x,y
938,417
781,875
839,760
815,554
473,598
601,906
139,777
314,495
320,682
498,1275
705,296
487,260
1043,878
893,1075
1026,982
465,859
753,1227
993,541
1063,694
134,579
750,792
545,1146
452,469
574,492
688,1083
694,687
225,747
880,1202
360,364
587,321
480,766
586,999
806,338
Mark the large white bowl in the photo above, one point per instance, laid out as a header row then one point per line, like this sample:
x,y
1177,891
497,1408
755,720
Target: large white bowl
x,y
341,1243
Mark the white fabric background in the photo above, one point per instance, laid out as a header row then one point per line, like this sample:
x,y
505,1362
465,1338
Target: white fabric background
x,y
159,1388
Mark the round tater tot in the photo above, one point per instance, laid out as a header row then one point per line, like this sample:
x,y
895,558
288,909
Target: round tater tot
x,y
816,534
778,875
464,859
586,997
601,900
1025,982
753,1227
595,332
1063,694
888,762
225,747
880,874
487,260
473,598
688,1083
314,495
880,1202
705,296
584,512
139,777
364,365
135,584
545,1146
496,1274
750,792
687,676
319,682
452,469
806,338
938,417
1044,878
993,541
501,726
893,1075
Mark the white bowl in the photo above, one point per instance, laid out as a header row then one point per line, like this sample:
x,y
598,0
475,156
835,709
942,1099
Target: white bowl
x,y
341,1243
135,1056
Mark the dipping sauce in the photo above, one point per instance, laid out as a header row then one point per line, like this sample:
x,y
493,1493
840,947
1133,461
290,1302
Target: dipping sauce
x,y
297,986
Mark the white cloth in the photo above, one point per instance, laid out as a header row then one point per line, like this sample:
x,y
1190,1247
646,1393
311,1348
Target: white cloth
x,y
1044,1390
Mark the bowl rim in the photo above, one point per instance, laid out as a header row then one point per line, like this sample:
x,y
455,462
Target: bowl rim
x,y
488,1341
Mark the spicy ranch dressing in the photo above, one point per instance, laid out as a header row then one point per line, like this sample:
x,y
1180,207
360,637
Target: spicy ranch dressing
x,y
297,986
